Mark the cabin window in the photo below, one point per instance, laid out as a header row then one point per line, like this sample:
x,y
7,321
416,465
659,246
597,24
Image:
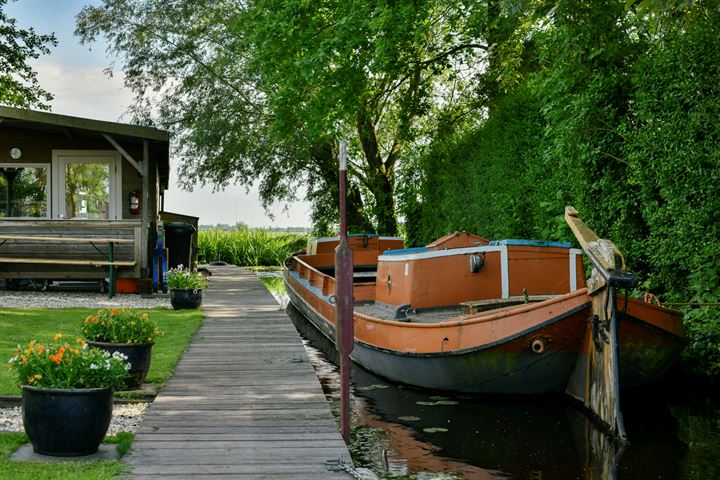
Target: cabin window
x,y
88,185
24,190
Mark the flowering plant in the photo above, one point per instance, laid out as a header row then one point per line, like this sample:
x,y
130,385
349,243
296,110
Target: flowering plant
x,y
185,279
60,365
123,325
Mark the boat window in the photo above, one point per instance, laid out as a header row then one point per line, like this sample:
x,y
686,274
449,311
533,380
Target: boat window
x,y
24,191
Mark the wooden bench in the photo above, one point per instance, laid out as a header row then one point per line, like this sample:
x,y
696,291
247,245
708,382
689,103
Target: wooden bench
x,y
108,261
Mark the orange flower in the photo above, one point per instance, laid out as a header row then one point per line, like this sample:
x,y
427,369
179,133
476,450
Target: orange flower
x,y
113,311
57,358
40,349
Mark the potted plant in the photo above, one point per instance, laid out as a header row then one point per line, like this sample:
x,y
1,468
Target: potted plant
x,y
67,394
127,331
185,287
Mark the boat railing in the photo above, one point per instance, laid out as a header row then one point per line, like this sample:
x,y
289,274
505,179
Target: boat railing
x,y
324,283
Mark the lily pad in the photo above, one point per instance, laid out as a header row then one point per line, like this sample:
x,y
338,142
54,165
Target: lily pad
x,y
434,429
446,402
409,419
438,397
372,387
426,403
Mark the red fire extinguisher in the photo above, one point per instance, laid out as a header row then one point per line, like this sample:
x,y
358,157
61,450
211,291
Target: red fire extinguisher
x,y
135,202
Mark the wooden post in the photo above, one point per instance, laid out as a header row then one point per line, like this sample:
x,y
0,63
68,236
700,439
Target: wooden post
x,y
344,303
111,269
145,208
596,379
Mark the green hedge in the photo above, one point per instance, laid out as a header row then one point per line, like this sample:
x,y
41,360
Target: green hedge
x,y
626,132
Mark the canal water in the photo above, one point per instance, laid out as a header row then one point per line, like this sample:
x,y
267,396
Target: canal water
x,y
403,433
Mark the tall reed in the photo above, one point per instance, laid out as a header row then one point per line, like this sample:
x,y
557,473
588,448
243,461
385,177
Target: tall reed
x,y
249,247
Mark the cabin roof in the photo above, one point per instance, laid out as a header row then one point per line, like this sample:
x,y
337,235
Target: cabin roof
x,y
89,128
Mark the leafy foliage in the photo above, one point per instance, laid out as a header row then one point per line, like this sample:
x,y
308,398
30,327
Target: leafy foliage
x,y
262,90
618,118
18,81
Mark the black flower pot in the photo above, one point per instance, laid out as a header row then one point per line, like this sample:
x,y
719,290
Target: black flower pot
x,y
181,298
66,422
139,355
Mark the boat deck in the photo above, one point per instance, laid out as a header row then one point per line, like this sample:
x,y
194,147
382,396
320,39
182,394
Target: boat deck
x,y
441,314
425,316
244,402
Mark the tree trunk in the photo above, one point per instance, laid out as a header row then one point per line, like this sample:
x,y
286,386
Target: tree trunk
x,y
380,178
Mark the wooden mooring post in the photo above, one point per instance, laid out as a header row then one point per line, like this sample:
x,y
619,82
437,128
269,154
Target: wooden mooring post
x,y
344,334
596,379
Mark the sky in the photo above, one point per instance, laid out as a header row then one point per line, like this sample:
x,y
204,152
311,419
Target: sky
x,y
73,73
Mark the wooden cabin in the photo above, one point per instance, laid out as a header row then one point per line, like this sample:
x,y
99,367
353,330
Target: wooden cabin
x,y
78,195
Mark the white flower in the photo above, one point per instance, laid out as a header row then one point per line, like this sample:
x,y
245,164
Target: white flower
x,y
127,366
93,366
119,356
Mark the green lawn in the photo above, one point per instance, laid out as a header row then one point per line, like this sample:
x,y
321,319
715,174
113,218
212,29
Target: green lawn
x,y
19,326
70,470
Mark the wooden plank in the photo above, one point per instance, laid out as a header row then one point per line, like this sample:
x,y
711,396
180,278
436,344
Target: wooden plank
x,y
58,261
299,471
244,401
596,378
292,436
65,239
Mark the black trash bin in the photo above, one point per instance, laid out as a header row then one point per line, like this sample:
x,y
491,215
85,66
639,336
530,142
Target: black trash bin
x,y
178,240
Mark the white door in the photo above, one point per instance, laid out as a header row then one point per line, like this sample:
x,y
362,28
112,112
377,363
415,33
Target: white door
x,y
87,184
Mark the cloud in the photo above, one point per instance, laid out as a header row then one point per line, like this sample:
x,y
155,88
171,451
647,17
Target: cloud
x,y
83,91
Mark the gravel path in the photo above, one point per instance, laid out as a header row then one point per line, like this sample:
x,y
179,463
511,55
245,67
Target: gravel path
x,y
79,299
125,418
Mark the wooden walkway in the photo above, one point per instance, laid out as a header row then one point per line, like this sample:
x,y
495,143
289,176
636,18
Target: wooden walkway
x,y
244,401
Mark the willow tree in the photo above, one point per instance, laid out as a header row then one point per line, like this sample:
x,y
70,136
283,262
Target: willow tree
x,y
260,91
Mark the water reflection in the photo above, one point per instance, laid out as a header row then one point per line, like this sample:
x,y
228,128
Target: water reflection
x,y
406,433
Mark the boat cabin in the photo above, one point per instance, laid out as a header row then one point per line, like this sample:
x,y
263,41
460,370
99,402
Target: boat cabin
x,y
78,196
428,277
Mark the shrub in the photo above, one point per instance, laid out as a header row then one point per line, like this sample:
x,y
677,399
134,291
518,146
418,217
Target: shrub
x,y
120,326
60,365
185,279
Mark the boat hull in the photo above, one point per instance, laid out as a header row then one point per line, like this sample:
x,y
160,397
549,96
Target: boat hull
x,y
651,340
505,366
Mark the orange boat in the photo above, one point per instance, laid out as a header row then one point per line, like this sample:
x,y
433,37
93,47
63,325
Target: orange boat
x,y
464,314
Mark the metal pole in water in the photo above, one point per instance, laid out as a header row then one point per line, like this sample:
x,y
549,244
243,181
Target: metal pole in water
x,y
344,297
